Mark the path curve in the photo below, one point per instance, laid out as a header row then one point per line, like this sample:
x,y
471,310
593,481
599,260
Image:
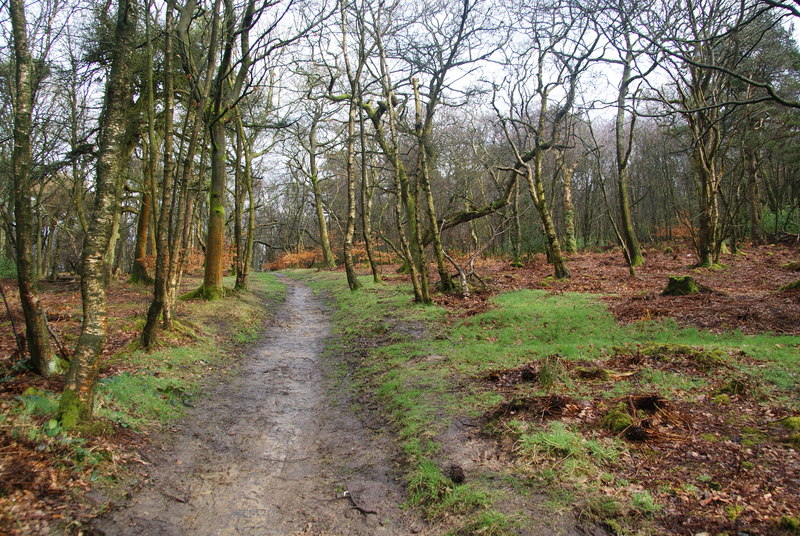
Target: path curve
x,y
271,451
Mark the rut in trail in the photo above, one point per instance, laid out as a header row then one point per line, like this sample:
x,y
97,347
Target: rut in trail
x,y
270,451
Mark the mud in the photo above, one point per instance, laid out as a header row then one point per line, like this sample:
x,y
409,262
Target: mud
x,y
275,450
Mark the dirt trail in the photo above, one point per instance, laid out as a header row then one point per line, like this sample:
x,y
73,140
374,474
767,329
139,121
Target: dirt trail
x,y
271,451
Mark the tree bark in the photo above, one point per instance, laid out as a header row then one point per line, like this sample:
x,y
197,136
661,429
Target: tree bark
x,y
423,177
41,353
328,260
160,302
753,199
77,401
366,199
570,243
623,150
355,86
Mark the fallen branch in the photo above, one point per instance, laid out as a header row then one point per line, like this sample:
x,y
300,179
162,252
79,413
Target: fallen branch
x,y
17,336
63,351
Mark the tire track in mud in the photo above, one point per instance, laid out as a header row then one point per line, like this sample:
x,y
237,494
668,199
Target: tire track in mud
x,y
270,451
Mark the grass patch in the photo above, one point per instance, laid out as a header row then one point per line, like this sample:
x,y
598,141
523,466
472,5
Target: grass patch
x,y
428,371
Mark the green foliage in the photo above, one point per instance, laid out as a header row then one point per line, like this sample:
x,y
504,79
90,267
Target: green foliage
x,y
429,488
488,523
39,402
794,285
786,220
137,401
8,268
790,524
791,423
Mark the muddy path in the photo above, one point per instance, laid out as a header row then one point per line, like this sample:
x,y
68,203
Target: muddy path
x,y
274,450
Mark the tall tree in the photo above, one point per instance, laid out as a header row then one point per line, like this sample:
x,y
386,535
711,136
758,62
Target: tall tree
x,y
41,354
77,400
160,300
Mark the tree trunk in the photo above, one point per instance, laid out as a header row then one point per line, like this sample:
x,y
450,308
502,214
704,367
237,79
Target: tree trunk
x,y
139,273
536,190
160,291
215,238
753,199
570,243
355,93
41,354
329,261
423,177
77,401
366,200
350,227
516,231
244,246
623,151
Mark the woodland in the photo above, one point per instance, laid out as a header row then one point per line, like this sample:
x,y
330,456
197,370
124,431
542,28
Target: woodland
x,y
427,164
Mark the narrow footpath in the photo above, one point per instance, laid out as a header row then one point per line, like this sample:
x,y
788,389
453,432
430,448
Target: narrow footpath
x,y
274,450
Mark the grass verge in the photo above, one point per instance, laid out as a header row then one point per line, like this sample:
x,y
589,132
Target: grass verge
x,y
588,410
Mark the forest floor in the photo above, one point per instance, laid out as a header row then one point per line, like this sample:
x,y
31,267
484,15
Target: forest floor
x,y
595,399
589,406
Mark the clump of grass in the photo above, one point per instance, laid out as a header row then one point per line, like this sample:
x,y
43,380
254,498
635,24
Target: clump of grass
x,y
791,423
556,442
645,503
550,372
488,523
733,511
431,489
790,524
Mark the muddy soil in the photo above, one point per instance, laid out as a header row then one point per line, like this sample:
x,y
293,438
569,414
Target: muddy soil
x,y
274,450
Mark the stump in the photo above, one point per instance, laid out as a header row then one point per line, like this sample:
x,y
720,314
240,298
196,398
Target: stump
x,y
681,286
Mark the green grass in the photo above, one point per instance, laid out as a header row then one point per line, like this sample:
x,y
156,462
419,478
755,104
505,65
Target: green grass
x,y
157,386
427,371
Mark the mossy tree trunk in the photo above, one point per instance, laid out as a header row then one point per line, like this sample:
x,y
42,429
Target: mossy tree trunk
x,y
77,401
423,132
41,353
537,193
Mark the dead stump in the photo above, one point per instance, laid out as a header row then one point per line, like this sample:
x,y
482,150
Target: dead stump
x,y
681,286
